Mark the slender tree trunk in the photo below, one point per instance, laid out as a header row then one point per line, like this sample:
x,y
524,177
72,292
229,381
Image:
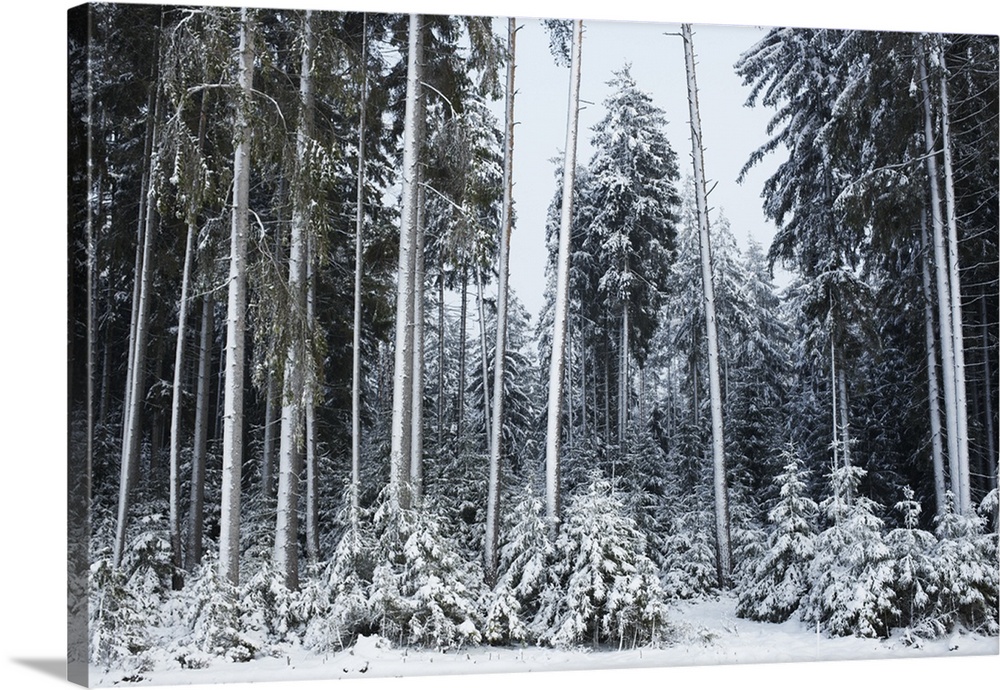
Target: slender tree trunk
x,y
232,429
958,340
933,400
137,362
272,421
485,357
943,296
417,392
583,380
500,353
833,399
402,393
196,516
440,386
845,429
220,381
175,410
463,320
623,382
557,362
102,410
175,404
724,549
292,442
358,267
153,474
272,405
607,392
492,540
309,402
140,233
991,448
568,383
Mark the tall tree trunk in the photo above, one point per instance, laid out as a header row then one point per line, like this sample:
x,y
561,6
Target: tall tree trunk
x,y
957,335
623,381
568,383
845,428
943,295
417,392
175,403
933,399
990,429
140,233
557,362
358,267
196,516
833,398
175,410
485,357
232,428
491,543
272,421
463,324
309,402
724,549
273,391
402,391
286,535
583,380
137,363
440,381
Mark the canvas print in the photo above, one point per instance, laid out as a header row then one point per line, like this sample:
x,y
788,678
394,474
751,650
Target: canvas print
x,y
413,344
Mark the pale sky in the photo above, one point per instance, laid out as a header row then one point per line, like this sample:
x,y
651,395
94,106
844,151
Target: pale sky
x,y
731,132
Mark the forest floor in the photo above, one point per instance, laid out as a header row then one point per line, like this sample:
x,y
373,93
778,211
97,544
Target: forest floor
x,y
706,632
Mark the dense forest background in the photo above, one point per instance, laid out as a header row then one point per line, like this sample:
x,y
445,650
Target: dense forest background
x,y
332,500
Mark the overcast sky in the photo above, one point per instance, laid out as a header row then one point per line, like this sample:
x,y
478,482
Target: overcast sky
x,y
730,130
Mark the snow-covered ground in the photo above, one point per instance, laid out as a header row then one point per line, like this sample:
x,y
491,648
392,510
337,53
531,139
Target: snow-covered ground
x,y
707,633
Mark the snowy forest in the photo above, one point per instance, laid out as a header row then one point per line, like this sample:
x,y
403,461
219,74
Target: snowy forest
x,y
307,410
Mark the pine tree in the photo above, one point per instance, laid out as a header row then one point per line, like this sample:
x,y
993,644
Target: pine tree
x,y
852,587
779,579
603,588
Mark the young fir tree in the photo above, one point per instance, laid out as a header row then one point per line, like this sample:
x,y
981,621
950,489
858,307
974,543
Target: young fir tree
x,y
966,557
916,575
602,587
852,588
779,578
423,590
525,557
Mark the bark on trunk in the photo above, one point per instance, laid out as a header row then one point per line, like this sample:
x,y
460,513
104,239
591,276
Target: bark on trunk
x,y
724,549
484,358
557,361
991,447
957,332
492,540
175,411
358,258
417,392
294,396
232,429
943,296
933,396
845,429
196,516
137,362
463,324
309,402
402,392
